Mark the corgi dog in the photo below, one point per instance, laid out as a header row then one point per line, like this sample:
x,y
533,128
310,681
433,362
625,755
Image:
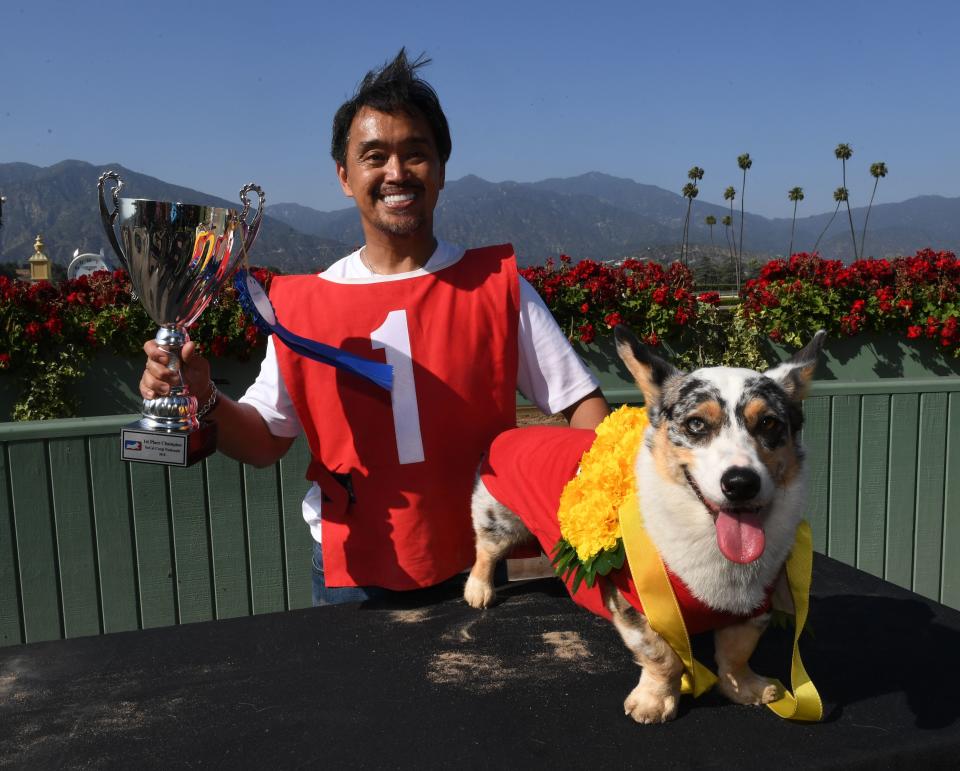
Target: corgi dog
x,y
721,486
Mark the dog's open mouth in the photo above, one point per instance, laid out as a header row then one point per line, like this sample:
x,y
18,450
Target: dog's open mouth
x,y
740,533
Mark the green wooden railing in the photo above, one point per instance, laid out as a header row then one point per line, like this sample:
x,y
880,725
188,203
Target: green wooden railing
x,y
89,544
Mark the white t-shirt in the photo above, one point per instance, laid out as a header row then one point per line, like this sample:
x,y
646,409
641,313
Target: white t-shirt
x,y
549,373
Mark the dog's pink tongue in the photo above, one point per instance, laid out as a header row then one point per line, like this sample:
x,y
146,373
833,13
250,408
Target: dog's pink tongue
x,y
739,535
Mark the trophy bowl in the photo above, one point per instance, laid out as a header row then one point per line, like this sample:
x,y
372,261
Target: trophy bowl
x,y
178,257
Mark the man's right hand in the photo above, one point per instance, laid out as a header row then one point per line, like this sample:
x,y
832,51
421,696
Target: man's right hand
x,y
241,432
158,379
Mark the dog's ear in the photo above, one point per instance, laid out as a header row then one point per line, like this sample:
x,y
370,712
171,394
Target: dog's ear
x,y
795,374
648,369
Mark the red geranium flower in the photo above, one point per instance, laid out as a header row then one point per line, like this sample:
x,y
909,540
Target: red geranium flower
x,y
612,319
219,345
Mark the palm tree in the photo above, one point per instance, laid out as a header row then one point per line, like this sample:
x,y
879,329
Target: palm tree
x,y
710,222
728,195
744,162
877,170
3,200
694,175
843,153
727,223
796,195
839,195
689,192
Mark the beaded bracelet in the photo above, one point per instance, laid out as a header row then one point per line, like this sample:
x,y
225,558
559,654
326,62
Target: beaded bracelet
x,y
211,401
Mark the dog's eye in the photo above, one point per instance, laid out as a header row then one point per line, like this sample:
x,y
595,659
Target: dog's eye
x,y
695,425
769,424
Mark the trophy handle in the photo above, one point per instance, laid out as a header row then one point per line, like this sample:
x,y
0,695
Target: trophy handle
x,y
253,229
110,217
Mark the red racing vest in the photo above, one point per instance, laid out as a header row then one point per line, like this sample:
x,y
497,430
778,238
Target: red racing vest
x,y
526,470
396,469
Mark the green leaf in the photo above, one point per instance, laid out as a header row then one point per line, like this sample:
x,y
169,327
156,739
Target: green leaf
x,y
577,579
618,556
603,564
564,555
565,559
592,571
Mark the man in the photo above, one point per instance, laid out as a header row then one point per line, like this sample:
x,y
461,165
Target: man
x,y
392,472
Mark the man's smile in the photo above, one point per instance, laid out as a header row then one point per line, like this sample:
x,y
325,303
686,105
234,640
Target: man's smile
x,y
398,199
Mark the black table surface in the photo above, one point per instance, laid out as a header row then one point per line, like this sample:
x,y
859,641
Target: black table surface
x,y
534,682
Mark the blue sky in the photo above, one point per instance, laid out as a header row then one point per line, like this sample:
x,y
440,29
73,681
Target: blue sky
x,y
212,95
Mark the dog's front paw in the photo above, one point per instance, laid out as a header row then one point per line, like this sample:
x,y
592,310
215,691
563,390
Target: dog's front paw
x,y
648,705
479,594
747,687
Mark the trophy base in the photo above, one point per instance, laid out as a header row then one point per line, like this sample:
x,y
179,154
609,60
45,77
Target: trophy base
x,y
167,448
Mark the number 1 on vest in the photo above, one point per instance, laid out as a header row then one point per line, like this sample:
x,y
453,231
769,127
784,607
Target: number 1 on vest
x,y
394,338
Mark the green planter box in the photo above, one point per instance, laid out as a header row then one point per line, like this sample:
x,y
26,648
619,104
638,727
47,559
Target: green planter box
x,y
863,358
111,384
874,357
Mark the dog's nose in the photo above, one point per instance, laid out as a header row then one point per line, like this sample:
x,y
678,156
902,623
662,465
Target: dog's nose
x,y
740,484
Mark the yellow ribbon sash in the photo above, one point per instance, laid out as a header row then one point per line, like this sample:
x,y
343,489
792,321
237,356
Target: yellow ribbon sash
x,y
663,613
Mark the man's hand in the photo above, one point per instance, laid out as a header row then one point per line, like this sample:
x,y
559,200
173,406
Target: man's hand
x,y
158,379
241,432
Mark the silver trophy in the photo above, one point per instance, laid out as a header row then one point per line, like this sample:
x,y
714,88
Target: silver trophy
x,y
178,257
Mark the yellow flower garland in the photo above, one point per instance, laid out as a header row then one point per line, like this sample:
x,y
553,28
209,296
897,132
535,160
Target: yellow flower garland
x,y
589,504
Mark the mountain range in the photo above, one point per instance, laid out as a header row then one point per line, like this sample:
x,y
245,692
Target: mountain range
x,y
590,216
60,202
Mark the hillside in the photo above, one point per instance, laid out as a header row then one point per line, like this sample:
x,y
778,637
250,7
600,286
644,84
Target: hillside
x,y
590,216
599,216
60,202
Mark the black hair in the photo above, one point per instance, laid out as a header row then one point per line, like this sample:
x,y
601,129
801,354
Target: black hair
x,y
393,88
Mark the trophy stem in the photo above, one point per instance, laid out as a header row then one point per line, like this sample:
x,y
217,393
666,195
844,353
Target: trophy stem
x,y
177,411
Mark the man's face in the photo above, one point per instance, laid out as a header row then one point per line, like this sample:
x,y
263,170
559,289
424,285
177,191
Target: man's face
x,y
393,172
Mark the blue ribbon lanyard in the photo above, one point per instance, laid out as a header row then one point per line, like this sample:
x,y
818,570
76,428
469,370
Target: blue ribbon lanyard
x,y
254,301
